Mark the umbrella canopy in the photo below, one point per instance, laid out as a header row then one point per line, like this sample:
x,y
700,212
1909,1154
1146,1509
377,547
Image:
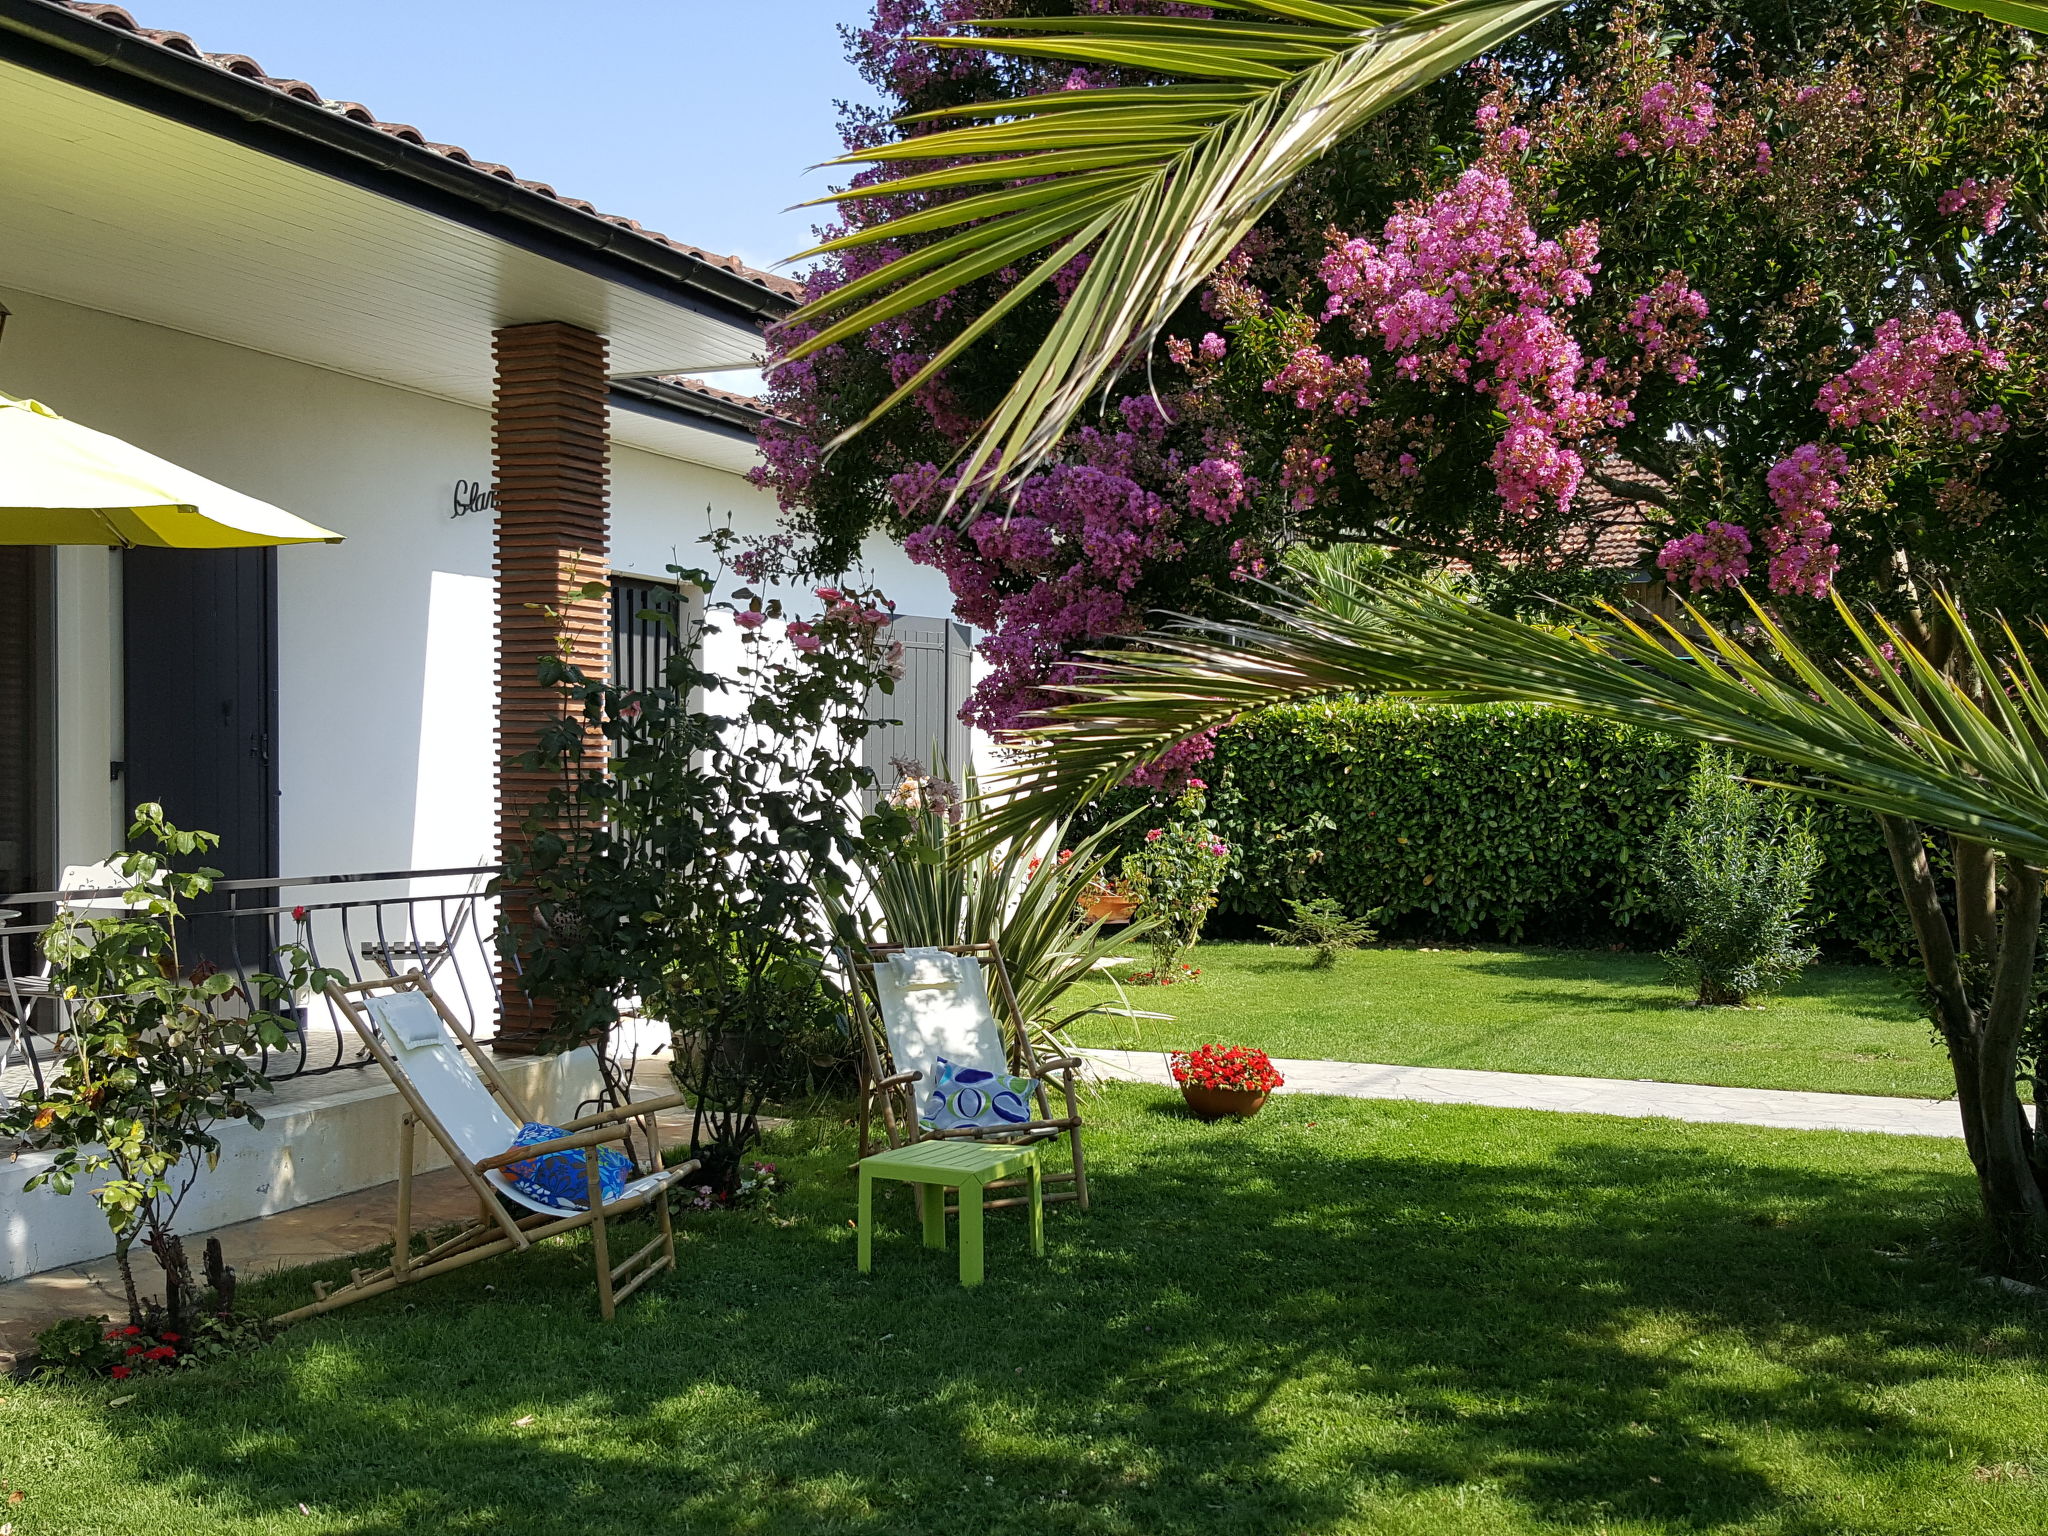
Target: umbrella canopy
x,y
61,483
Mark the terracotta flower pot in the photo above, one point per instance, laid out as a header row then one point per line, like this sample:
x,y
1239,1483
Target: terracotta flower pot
x,y
1223,1103
1109,909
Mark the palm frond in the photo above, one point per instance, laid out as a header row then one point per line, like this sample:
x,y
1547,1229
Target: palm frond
x,y
1888,731
1157,183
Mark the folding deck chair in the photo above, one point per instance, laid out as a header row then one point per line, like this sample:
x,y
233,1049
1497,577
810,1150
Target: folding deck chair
x,y
452,1089
907,1026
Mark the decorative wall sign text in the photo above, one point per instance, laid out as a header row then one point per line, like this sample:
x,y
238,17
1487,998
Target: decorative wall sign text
x,y
474,496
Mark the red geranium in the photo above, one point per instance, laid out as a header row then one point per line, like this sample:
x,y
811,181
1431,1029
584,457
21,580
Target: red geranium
x,y
1243,1067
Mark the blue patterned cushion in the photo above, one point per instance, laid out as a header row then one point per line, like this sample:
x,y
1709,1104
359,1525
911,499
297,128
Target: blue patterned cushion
x,y
558,1178
969,1096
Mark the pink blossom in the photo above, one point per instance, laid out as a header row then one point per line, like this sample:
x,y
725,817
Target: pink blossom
x,y
1711,560
1914,372
1805,487
1213,348
750,618
1681,115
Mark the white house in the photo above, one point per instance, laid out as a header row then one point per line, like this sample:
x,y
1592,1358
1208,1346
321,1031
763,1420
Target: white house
x,y
386,336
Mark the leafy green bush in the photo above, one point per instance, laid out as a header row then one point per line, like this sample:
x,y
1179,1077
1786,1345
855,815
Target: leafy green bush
x,y
1736,866
1507,821
1320,924
1174,872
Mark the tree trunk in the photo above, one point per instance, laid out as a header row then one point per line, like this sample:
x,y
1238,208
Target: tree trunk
x,y
1976,898
1953,1015
122,1243
2015,1206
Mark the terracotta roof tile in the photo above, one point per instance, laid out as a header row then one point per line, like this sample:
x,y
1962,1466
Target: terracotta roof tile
x,y
713,392
242,65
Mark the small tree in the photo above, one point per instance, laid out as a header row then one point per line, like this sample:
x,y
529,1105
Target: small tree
x,y
1174,874
1736,867
158,1055
691,866
1320,924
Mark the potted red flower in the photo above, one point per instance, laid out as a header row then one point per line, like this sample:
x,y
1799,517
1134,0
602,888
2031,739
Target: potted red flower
x,y
1225,1080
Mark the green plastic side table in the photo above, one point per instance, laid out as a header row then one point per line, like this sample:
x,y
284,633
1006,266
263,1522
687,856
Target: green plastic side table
x,y
956,1164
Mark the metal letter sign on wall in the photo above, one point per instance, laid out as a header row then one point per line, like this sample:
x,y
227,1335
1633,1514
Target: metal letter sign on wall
x,y
474,496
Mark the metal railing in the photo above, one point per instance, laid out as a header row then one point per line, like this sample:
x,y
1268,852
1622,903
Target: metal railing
x,y
439,921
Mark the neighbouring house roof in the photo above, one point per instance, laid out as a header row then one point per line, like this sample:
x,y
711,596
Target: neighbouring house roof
x,y
109,41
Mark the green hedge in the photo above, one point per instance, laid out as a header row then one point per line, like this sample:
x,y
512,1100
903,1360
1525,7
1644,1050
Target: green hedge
x,y
1515,822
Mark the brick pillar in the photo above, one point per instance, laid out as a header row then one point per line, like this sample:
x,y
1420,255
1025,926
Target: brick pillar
x,y
549,445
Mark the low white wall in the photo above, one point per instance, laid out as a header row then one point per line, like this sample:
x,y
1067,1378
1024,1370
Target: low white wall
x,y
311,1148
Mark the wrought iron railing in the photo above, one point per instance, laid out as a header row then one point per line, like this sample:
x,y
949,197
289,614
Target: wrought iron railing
x,y
440,921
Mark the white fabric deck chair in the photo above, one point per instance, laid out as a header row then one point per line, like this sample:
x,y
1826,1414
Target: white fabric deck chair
x,y
916,1007
452,1089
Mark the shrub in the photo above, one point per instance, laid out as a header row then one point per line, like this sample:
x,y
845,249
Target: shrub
x,y
157,1052
1736,867
1320,924
1509,821
1174,873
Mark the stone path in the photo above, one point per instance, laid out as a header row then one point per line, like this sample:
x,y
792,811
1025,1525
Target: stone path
x,y
1634,1098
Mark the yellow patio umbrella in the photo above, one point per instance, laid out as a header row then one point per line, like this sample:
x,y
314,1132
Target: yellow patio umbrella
x,y
61,483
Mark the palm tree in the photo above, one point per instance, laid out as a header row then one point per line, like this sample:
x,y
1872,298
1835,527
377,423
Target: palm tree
x,y
1159,183
1961,747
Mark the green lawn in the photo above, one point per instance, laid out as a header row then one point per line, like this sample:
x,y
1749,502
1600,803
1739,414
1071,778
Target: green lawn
x,y
1345,1317
1840,1029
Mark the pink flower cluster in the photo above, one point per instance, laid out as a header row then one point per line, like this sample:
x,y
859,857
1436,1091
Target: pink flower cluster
x,y
1678,114
844,613
1805,486
1664,321
1987,201
1712,560
1463,290
1916,371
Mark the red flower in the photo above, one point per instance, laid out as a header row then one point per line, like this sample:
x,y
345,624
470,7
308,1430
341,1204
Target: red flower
x,y
133,1349
1221,1066
168,1338
120,1372
161,1352
131,1330
298,914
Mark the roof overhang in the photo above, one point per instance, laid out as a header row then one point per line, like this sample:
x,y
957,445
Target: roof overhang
x,y
684,423
166,189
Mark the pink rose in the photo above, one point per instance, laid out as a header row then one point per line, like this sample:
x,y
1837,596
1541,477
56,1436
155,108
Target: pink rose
x,y
752,618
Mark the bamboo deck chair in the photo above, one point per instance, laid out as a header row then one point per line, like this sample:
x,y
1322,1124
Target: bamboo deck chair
x,y
452,1089
907,1026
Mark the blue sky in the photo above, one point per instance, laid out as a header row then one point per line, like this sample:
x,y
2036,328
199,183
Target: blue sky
x,y
696,117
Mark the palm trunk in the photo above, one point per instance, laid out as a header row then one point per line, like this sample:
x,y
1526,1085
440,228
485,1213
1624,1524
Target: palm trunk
x,y
1983,1045
1976,898
1953,1015
2016,1208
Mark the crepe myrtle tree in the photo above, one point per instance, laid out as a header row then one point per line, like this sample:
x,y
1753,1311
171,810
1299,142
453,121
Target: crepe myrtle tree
x,y
160,1049
1714,260
693,864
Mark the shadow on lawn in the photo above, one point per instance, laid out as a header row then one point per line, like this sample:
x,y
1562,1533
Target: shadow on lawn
x,y
1262,1328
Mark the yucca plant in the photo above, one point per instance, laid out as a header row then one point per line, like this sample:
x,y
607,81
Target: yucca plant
x,y
1157,183
1958,748
935,891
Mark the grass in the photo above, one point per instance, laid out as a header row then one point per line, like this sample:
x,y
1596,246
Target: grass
x,y
1344,1317
1839,1029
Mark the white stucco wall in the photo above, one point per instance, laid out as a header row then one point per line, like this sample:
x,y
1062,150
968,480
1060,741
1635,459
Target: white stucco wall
x,y
385,641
